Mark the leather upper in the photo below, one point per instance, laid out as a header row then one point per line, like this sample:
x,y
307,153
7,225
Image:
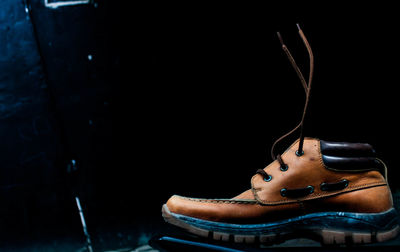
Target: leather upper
x,y
308,170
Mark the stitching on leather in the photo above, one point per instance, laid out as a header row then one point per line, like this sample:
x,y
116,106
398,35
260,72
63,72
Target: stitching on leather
x,y
352,188
320,156
256,194
220,201
323,195
254,190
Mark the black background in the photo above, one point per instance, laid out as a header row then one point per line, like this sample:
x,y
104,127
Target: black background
x,y
188,98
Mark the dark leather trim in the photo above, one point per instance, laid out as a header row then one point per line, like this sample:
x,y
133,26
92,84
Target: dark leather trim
x,y
343,149
350,163
334,186
351,157
296,193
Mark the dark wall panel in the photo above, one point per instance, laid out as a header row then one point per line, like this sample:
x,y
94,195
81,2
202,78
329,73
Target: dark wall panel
x,y
55,101
29,142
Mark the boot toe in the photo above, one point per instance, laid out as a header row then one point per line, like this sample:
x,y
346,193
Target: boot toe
x,y
191,207
220,210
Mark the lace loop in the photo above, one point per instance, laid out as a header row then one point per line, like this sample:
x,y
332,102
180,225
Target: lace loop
x,y
306,86
283,166
265,175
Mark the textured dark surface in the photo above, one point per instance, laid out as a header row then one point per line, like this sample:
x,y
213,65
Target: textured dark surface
x,y
29,141
54,104
25,119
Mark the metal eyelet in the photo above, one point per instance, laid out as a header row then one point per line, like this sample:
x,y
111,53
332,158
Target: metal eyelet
x,y
311,189
267,179
299,154
284,168
283,192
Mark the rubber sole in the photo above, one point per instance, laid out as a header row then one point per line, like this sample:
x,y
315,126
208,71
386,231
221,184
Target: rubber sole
x,y
329,228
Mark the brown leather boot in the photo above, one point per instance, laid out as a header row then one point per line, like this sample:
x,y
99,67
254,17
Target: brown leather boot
x,y
329,191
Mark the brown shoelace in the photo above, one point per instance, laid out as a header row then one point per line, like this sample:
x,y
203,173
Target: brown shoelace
x,y
307,89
